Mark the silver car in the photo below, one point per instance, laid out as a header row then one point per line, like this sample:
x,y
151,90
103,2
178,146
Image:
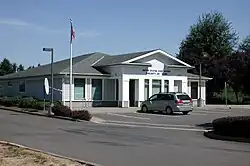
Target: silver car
x,y
168,103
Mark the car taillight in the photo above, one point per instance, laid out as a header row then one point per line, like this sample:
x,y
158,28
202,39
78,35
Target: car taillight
x,y
179,102
191,101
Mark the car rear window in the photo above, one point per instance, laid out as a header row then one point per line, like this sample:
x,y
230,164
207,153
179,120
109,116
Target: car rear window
x,y
183,97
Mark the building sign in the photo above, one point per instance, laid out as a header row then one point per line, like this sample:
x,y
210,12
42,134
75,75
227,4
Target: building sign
x,y
155,72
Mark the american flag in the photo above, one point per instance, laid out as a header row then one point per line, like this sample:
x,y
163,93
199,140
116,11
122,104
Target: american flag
x,y
72,31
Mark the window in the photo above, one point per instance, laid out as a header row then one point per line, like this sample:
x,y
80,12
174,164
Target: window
x,y
177,85
166,87
9,84
156,86
194,90
166,97
146,89
22,86
79,89
97,89
183,97
153,98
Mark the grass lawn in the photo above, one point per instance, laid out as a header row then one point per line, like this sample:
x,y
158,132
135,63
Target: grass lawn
x,y
14,156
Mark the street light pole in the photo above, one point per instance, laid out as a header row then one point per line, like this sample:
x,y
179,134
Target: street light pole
x,y
200,100
51,50
52,81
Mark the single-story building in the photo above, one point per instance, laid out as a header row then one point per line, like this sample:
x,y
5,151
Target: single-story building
x,y
108,80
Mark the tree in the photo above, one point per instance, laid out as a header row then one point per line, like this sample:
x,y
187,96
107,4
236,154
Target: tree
x,y
14,67
236,69
38,65
30,67
213,35
20,68
245,45
5,67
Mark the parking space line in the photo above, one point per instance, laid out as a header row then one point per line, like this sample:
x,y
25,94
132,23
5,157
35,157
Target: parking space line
x,y
156,127
196,113
127,116
152,124
213,112
161,115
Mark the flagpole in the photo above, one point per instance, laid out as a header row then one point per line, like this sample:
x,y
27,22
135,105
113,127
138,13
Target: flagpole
x,y
70,70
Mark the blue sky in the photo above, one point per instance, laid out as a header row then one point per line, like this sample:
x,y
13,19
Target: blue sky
x,y
108,26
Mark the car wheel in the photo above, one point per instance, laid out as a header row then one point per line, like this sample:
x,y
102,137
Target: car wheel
x,y
185,112
144,109
169,111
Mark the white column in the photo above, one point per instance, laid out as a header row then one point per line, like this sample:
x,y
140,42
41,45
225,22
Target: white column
x,y
141,91
115,85
150,87
185,85
162,85
203,90
171,85
125,92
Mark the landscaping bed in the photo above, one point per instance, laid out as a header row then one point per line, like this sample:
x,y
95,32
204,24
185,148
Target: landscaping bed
x,y
13,155
31,105
231,128
60,110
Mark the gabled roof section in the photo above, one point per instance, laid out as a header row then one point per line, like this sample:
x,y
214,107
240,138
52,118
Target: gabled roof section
x,y
154,52
119,59
42,70
85,66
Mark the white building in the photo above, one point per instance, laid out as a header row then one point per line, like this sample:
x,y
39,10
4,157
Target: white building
x,y
104,80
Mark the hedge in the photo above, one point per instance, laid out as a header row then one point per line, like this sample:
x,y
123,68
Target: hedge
x,y
28,102
238,126
60,110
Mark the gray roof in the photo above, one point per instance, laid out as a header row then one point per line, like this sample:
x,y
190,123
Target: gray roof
x,y
59,67
184,73
88,64
118,59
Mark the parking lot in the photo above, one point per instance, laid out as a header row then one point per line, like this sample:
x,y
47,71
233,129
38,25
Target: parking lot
x,y
123,139
198,120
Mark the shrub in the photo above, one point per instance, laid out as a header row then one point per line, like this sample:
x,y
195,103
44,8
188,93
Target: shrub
x,y
238,126
61,110
9,101
82,114
30,103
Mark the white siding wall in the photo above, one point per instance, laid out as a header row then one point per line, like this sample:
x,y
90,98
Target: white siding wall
x,y
137,73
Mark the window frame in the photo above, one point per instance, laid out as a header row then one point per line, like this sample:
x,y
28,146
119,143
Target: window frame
x,y
84,94
20,83
197,89
101,95
146,87
158,85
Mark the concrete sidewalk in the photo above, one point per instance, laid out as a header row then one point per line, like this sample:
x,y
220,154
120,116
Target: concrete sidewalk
x,y
101,110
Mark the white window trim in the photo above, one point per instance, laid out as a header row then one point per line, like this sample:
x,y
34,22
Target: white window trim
x,y
84,97
158,51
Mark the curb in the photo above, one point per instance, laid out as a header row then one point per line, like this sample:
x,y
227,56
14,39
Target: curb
x,y
86,163
210,134
39,114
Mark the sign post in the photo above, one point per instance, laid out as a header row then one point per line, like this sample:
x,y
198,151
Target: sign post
x,y
46,90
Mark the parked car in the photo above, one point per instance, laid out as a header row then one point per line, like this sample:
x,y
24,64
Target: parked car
x,y
168,103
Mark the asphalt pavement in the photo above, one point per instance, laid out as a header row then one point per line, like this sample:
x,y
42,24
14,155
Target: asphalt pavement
x,y
129,138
